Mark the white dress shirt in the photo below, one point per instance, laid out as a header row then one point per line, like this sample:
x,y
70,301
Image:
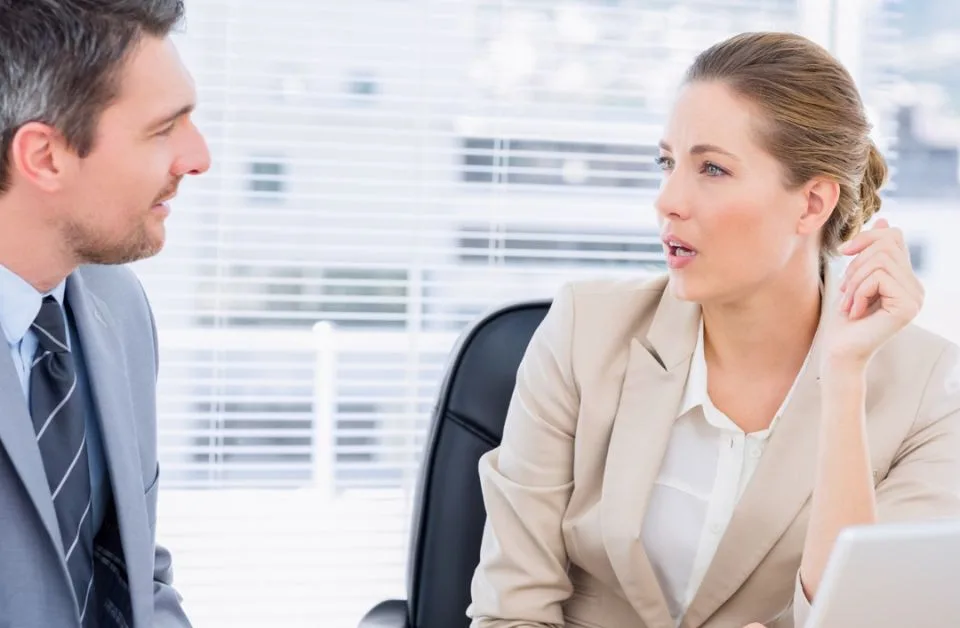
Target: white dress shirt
x,y
707,464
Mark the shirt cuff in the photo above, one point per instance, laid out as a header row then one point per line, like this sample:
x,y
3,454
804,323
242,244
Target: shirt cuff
x,y
801,605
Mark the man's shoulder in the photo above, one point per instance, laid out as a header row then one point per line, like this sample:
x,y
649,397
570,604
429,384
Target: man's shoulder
x,y
109,280
119,291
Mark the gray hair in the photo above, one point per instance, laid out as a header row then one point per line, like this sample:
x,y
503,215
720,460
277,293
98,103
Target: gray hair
x,y
60,61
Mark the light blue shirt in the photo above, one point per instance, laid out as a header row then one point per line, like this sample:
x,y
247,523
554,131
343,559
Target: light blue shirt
x,y
19,306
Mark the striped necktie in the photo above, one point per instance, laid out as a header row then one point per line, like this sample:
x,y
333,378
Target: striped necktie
x,y
60,425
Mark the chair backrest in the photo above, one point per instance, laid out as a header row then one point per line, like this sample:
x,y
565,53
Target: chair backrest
x,y
467,422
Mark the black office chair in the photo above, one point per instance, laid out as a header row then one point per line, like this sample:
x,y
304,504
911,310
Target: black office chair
x,y
449,514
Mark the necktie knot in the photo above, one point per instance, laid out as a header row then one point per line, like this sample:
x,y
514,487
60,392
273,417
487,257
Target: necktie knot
x,y
50,327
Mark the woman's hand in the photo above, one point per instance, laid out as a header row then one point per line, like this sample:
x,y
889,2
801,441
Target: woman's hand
x,y
880,295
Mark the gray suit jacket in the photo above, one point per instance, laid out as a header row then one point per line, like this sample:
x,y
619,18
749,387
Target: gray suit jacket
x,y
116,331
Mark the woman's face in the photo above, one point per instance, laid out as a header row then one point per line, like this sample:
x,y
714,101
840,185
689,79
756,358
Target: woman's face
x,y
728,222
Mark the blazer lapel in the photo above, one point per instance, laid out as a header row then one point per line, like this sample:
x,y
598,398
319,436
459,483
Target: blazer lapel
x,y
106,369
653,383
778,490
20,442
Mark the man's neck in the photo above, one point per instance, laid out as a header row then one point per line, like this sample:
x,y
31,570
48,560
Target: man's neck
x,y
32,250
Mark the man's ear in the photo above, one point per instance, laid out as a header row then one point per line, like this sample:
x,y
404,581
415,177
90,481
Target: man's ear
x,y
40,155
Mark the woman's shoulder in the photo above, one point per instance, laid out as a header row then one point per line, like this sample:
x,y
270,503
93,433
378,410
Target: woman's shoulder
x,y
600,318
617,298
922,365
917,345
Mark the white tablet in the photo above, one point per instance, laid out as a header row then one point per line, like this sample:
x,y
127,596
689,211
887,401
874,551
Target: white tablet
x,y
891,576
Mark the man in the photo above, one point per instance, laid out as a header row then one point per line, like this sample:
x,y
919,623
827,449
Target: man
x,y
95,136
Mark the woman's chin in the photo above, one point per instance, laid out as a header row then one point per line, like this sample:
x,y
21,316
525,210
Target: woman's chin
x,y
683,289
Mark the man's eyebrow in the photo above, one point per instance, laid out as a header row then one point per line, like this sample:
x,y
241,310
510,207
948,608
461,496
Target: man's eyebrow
x,y
169,118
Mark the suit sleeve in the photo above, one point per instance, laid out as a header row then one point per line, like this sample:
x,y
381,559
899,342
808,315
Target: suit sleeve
x,y
801,605
167,609
168,612
924,479
521,580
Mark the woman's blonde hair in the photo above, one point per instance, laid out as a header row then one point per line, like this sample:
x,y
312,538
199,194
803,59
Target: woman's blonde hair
x,y
812,119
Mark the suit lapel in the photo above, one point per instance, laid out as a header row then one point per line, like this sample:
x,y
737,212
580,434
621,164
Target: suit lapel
x,y
19,441
778,490
654,378
106,369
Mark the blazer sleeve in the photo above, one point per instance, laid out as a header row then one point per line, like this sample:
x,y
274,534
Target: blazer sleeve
x,y
924,479
801,605
167,608
521,580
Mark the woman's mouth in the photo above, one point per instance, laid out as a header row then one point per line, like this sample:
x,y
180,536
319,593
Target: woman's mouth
x,y
680,250
679,253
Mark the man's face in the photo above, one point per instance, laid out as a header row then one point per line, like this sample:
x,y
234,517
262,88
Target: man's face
x,y
113,210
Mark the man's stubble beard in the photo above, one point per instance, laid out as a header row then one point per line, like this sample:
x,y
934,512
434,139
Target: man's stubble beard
x,y
95,248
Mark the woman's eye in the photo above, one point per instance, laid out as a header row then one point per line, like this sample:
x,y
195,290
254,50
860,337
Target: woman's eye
x,y
713,170
665,163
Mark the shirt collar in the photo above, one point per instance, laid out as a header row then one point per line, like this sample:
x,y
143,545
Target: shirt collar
x,y
20,304
695,391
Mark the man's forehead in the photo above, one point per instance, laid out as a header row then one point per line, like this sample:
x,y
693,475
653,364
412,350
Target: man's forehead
x,y
155,77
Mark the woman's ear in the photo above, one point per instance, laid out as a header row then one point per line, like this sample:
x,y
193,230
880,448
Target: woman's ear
x,y
820,196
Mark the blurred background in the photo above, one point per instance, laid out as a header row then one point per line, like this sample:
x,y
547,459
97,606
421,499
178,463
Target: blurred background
x,y
387,170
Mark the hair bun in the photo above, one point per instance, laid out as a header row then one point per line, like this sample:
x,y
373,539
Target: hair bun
x,y
874,176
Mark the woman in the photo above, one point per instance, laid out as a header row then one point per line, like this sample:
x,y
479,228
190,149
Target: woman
x,y
685,451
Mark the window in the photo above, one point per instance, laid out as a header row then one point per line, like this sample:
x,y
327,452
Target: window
x,y
927,155
291,296
316,279
537,247
918,256
363,297
551,163
267,181
363,86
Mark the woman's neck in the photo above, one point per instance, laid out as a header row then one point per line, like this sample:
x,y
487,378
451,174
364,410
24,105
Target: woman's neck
x,y
772,328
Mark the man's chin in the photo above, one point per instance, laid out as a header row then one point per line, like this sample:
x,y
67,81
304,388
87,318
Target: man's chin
x,y
123,255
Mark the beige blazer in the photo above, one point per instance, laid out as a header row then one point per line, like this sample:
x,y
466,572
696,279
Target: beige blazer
x,y
596,396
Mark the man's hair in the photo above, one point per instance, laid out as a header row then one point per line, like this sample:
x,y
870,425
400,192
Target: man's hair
x,y
61,60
